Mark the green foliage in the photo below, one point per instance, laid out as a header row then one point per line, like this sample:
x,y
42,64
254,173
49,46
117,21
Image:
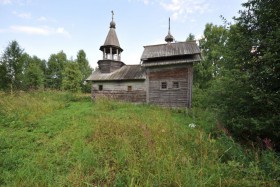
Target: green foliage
x,y
20,71
34,76
34,68
190,37
239,74
56,64
11,66
86,87
72,77
85,70
83,64
213,51
57,139
3,79
251,101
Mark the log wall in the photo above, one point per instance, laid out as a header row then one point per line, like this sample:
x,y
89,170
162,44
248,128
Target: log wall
x,y
170,97
119,91
108,66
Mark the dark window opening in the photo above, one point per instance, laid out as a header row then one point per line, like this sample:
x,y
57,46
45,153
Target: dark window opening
x,y
175,85
129,88
163,85
100,87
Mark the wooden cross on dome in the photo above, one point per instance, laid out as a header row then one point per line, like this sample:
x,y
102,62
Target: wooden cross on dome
x,y
112,14
169,26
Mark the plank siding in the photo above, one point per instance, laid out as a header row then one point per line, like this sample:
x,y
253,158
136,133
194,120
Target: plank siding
x,y
119,91
190,84
115,85
108,66
170,97
136,96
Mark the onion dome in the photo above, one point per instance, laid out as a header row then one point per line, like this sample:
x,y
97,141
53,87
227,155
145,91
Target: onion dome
x,y
112,23
169,38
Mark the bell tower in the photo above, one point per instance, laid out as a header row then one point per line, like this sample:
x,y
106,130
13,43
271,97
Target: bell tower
x,y
111,51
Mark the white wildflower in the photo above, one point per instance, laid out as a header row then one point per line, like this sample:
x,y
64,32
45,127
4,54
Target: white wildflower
x,y
192,125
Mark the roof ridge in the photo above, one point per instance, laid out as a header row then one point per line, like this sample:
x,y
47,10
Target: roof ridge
x,y
132,65
170,43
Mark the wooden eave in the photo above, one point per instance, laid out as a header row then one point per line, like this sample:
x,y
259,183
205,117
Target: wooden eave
x,y
169,50
170,62
125,73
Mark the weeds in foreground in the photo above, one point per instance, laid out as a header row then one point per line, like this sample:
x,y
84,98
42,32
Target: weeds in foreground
x,y
57,139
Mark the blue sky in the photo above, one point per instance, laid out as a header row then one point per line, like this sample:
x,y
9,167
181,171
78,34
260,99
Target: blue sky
x,y
44,27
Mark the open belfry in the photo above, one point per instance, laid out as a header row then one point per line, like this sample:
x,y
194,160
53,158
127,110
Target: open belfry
x,y
164,76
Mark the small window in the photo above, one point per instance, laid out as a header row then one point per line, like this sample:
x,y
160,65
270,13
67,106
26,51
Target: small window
x,y
163,85
175,85
100,87
129,88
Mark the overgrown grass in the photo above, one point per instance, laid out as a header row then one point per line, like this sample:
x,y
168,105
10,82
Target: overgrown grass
x,y
60,139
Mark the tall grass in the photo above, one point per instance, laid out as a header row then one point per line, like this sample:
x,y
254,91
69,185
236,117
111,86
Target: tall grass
x,y
57,139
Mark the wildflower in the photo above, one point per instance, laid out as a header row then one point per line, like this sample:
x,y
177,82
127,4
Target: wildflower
x,y
192,125
268,143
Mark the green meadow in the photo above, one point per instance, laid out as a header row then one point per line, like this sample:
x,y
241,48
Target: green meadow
x,y
59,139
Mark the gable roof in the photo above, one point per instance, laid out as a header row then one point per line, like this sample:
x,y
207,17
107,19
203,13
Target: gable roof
x,y
126,72
170,50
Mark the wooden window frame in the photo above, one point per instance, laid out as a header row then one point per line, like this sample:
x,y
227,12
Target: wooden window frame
x,y
162,87
176,85
129,88
100,87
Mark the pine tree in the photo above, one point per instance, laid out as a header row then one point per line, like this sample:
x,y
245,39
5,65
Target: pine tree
x,y
12,66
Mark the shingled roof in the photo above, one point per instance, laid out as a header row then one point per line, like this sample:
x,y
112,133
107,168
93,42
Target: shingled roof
x,y
112,39
170,50
126,72
160,62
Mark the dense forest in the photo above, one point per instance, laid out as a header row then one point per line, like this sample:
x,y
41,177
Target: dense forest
x,y
20,71
238,78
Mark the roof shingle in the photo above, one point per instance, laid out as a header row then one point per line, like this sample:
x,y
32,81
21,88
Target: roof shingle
x,y
171,49
126,72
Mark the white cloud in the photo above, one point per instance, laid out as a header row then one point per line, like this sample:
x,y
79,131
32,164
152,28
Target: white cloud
x,y
62,31
31,30
182,9
146,2
24,15
40,30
